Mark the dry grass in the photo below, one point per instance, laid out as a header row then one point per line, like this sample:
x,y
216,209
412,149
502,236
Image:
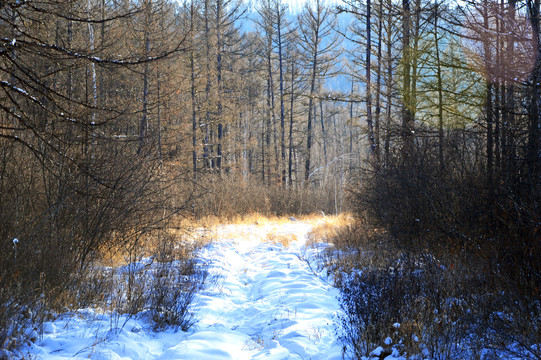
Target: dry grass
x,y
210,227
277,238
183,238
326,228
255,219
204,230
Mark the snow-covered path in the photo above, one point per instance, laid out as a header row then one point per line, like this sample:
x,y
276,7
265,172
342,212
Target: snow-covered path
x,y
267,305
265,302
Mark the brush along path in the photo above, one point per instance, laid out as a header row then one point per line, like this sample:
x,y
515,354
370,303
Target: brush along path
x,y
266,304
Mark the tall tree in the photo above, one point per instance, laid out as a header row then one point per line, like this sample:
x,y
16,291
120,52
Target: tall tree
x,y
407,113
439,82
281,24
379,58
534,131
292,59
267,25
369,120
316,24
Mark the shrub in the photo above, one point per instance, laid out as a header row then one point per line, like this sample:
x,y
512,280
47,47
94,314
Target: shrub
x,y
412,302
176,278
63,221
486,302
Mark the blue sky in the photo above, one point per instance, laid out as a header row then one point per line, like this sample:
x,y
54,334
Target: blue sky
x,y
296,5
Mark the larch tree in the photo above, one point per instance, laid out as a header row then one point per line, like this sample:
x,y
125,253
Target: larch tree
x,y
318,40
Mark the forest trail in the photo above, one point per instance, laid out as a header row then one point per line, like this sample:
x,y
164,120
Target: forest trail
x,y
266,303
262,301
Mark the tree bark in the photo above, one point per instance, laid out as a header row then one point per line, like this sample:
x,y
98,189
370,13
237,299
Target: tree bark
x,y
291,116
407,115
488,99
279,24
369,120
439,85
193,92
377,117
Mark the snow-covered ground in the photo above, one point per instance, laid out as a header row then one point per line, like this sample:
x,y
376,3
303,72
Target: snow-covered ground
x,y
263,302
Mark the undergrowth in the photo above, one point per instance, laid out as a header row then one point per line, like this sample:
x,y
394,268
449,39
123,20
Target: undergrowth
x,y
229,198
156,278
423,306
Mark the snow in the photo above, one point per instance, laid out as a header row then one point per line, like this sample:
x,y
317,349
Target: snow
x,y
377,351
263,302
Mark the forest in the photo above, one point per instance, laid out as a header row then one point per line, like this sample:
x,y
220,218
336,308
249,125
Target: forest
x,y
119,118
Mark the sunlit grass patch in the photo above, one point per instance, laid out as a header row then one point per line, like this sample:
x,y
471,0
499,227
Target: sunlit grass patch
x,y
259,219
267,228
326,227
255,218
280,238
272,228
182,240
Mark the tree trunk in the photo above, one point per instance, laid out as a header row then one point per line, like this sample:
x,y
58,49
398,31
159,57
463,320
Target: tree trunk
x,y
488,100
193,92
439,85
291,112
282,105
389,86
351,127
270,101
144,125
377,118
407,115
94,102
534,131
309,124
206,139
219,65
369,120
323,134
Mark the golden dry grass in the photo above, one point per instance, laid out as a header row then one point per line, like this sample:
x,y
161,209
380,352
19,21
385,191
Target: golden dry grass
x,y
259,219
201,231
277,238
182,239
326,227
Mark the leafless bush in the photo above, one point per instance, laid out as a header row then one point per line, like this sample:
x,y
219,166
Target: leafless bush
x,y
176,278
479,296
157,279
412,303
56,226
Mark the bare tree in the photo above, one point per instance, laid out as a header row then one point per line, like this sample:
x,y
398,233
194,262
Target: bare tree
x,y
316,24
